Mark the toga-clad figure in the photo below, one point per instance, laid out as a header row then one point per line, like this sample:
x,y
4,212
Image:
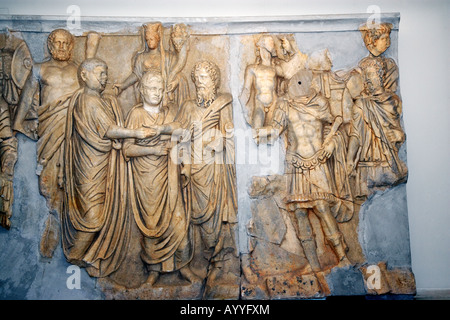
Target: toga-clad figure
x,y
158,203
212,173
95,221
375,133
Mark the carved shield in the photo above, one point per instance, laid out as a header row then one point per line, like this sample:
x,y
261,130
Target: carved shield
x,y
21,65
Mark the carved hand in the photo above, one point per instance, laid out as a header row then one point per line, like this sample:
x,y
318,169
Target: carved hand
x,y
265,134
116,144
161,150
117,87
172,83
394,135
60,182
148,132
286,45
31,127
255,136
329,148
351,166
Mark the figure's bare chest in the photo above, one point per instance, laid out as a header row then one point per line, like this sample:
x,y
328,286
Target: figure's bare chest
x,y
265,76
62,77
305,128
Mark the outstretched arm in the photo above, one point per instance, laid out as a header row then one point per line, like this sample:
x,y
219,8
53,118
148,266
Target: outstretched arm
x,y
118,132
130,149
174,73
120,87
165,129
297,61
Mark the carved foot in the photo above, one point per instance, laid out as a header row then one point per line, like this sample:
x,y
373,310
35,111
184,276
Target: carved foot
x,y
320,276
152,278
4,221
247,271
50,237
190,276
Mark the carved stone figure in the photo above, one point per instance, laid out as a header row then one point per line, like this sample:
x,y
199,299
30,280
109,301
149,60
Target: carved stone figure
x,y
212,175
41,115
140,179
170,63
315,166
260,84
95,221
372,116
377,40
158,203
375,134
15,65
261,80
276,265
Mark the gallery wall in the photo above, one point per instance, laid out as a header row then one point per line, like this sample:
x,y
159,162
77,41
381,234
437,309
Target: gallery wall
x,y
423,60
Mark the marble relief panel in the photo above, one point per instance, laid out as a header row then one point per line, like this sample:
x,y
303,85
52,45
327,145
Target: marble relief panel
x,y
139,134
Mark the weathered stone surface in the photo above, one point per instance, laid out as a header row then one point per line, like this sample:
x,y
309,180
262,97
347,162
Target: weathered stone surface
x,y
391,280
202,159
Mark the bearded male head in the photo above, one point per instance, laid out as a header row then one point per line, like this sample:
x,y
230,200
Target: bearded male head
x,y
60,43
206,77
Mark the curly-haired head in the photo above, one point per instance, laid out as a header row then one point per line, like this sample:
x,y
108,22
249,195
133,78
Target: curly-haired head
x,y
372,34
150,74
60,53
210,67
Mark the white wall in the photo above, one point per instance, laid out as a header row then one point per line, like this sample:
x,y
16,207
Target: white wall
x,y
424,79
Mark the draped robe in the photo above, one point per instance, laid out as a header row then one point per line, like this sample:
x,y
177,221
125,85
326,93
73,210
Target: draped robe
x,y
157,202
95,176
374,117
213,186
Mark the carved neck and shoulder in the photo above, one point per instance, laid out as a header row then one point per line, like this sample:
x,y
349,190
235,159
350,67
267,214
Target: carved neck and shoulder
x,y
91,92
155,51
57,78
152,109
